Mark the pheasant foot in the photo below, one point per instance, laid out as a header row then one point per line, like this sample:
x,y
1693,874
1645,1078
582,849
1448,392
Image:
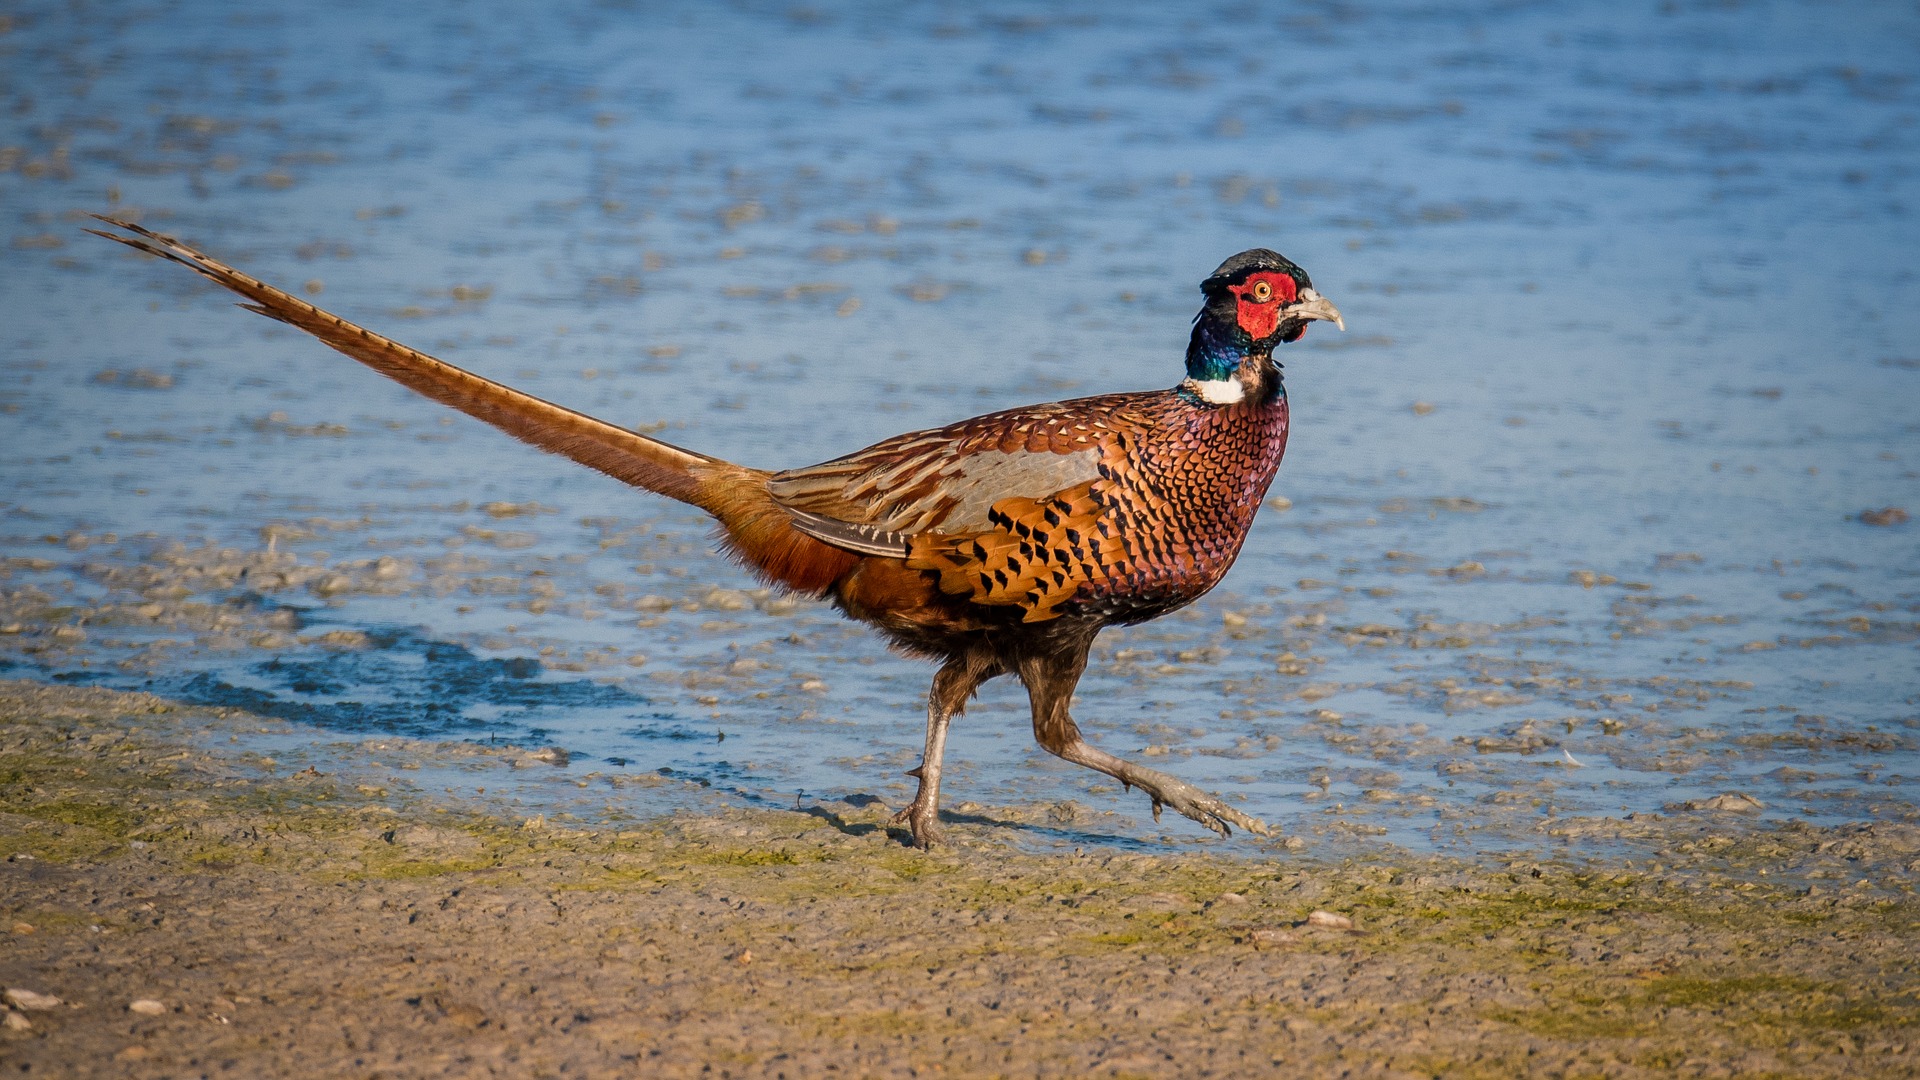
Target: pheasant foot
x,y
923,819
1167,790
1203,808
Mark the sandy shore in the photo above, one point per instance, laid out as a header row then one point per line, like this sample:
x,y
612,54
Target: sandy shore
x,y
316,925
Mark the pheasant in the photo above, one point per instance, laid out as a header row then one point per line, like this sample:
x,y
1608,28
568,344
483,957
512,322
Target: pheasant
x,y
998,545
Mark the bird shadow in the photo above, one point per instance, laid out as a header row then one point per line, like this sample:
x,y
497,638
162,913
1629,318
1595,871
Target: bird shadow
x,y
840,824
903,836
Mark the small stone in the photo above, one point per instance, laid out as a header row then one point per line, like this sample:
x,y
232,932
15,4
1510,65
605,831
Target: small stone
x,y
745,957
132,1053
147,1007
17,1022
1263,938
1229,898
1889,515
23,928
29,1000
1734,801
1329,920
463,1014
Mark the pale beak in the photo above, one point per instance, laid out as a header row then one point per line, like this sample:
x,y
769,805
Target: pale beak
x,y
1314,306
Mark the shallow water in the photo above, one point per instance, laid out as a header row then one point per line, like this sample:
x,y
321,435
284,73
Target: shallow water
x,y
1575,524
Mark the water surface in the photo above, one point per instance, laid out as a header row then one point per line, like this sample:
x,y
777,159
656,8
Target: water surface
x,y
1573,524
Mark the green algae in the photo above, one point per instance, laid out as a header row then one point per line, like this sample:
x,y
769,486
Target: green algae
x,y
1767,1009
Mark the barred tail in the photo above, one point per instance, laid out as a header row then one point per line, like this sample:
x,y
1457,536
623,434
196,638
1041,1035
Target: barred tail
x,y
624,455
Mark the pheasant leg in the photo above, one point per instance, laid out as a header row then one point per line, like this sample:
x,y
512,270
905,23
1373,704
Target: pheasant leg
x,y
1050,682
923,814
952,686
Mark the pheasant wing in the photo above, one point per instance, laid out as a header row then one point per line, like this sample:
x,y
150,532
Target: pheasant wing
x,y
946,479
1008,509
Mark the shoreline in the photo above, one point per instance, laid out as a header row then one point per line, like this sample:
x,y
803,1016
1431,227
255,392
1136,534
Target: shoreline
x,y
306,924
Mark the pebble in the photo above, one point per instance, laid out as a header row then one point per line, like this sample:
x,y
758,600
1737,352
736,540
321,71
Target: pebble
x,y
1273,937
147,1007
1329,920
29,999
1738,802
463,1014
16,1022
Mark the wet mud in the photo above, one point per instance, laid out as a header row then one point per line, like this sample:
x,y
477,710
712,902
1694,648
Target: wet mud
x,y
176,906
1448,734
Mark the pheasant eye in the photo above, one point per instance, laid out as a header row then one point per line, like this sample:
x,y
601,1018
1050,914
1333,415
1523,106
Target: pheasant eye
x,y
1262,292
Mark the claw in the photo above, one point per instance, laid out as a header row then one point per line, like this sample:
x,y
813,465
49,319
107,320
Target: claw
x,y
1212,814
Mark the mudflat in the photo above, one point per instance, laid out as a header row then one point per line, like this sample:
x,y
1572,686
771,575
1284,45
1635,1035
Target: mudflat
x,y
176,905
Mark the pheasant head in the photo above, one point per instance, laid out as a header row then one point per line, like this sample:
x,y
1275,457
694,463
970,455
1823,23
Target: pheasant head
x,y
1255,300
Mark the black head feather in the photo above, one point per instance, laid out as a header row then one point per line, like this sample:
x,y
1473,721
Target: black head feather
x,y
1236,269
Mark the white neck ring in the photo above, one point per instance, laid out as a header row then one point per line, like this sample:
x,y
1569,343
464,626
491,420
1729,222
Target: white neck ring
x,y
1226,391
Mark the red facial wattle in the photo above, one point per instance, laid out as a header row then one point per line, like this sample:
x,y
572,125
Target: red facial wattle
x,y
1259,300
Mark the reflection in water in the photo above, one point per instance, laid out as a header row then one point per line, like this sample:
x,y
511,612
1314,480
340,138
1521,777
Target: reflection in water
x,y
1579,518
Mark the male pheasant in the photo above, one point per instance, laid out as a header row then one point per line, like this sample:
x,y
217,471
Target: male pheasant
x,y
996,545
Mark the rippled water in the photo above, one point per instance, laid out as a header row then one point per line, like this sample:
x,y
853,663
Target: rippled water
x,y
1576,507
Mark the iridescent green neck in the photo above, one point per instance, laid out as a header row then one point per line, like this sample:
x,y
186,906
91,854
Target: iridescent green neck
x,y
1216,350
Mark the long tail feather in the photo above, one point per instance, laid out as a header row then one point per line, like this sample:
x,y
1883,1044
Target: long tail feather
x,y
620,453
